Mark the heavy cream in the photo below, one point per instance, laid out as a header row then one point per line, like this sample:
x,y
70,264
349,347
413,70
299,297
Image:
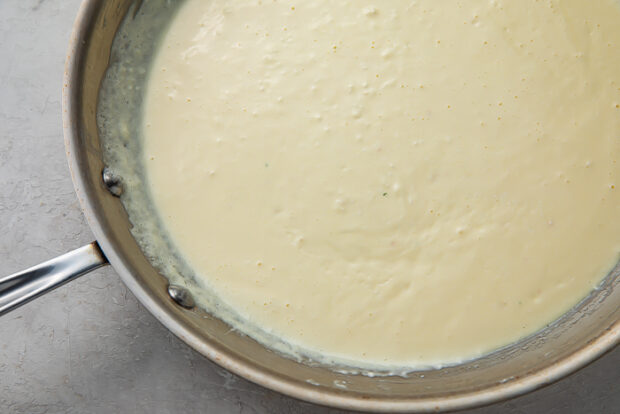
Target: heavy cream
x,y
395,182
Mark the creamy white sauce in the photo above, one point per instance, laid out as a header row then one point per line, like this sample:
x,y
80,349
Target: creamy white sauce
x,y
398,183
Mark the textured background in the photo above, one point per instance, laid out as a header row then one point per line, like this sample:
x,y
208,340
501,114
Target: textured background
x,y
89,347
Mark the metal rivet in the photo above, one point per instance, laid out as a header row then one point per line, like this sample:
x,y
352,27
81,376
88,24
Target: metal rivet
x,y
181,296
112,182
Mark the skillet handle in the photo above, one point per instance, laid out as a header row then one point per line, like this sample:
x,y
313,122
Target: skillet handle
x,y
20,288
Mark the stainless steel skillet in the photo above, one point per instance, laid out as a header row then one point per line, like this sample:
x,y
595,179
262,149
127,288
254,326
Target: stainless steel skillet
x,y
580,337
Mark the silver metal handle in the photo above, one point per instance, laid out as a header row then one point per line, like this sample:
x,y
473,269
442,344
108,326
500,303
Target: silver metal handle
x,y
20,288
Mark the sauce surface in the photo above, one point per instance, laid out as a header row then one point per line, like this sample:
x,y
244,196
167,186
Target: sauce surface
x,y
392,182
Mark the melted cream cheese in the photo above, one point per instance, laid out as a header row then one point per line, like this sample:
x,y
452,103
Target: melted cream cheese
x,y
397,182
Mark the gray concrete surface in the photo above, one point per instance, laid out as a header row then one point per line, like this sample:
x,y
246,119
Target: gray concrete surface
x,y
90,347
